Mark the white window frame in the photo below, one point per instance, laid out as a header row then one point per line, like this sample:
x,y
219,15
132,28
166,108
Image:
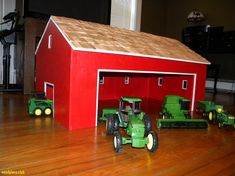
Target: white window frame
x,y
126,80
101,79
184,84
49,45
160,81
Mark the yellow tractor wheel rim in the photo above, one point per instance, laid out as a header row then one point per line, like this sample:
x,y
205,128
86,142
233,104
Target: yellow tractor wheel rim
x,y
48,111
210,116
38,112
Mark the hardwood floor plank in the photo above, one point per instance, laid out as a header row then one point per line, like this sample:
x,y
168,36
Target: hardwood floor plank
x,y
41,146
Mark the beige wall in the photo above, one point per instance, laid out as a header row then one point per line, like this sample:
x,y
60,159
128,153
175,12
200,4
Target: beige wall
x,y
168,17
153,18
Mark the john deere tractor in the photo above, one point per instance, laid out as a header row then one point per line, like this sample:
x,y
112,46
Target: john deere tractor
x,y
136,124
215,113
40,105
208,110
176,114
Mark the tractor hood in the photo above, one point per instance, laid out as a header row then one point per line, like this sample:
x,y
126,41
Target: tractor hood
x,y
137,123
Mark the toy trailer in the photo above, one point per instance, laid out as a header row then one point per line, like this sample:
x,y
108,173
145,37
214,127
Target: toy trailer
x,y
176,114
208,110
40,105
136,124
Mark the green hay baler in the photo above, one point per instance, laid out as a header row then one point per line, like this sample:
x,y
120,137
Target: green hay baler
x,y
136,124
176,114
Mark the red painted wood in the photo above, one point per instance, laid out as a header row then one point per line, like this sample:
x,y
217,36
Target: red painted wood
x,y
53,66
75,76
84,75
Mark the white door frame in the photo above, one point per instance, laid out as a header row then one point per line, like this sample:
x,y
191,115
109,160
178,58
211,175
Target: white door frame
x,y
145,72
53,96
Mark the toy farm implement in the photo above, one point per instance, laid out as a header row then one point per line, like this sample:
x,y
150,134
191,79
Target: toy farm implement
x,y
215,113
176,114
40,105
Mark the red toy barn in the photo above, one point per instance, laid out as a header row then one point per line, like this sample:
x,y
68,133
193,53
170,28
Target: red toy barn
x,y
85,66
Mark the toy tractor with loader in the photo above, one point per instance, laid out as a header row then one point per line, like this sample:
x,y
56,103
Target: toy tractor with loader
x,y
215,113
176,114
136,124
40,105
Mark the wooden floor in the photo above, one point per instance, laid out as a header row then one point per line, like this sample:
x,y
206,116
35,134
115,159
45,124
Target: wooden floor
x,y
40,146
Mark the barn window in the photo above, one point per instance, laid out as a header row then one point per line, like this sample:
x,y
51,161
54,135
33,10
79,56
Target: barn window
x,y
126,80
160,81
49,41
184,84
101,80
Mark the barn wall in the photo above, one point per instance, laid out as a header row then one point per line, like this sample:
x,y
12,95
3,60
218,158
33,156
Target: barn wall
x,y
53,66
84,78
114,87
172,85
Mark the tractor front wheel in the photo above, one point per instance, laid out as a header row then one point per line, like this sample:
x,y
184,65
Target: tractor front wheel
x,y
37,112
220,125
117,141
152,144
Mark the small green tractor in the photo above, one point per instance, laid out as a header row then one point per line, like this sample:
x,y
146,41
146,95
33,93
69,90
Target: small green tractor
x,y
40,105
208,110
215,113
136,124
175,113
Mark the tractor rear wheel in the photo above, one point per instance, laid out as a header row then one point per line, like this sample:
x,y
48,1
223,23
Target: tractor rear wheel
x,y
47,111
37,112
116,122
110,124
212,116
147,124
117,141
152,144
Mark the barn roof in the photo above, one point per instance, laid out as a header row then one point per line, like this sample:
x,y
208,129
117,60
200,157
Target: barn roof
x,y
83,35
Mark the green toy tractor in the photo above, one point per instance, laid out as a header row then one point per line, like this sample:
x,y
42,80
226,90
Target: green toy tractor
x,y
208,110
136,124
215,113
176,114
40,105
